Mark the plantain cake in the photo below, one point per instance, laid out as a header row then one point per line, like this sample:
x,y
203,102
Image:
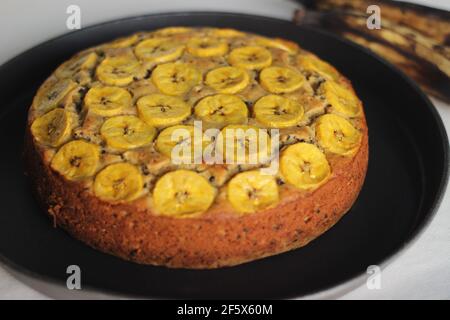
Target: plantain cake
x,y
103,129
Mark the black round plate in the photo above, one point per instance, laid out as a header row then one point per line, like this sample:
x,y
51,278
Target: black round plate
x,y
405,181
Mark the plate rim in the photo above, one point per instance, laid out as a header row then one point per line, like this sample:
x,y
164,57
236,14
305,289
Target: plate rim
x,y
342,285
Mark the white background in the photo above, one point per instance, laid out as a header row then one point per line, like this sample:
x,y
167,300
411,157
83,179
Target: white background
x,y
422,272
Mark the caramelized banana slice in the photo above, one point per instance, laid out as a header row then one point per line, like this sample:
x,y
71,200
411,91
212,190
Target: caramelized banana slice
x,y
53,128
278,112
175,79
313,64
341,99
250,57
127,132
278,43
119,182
244,144
304,166
229,80
52,97
119,70
252,191
227,33
159,50
182,192
170,31
76,160
160,110
222,109
107,101
182,137
75,65
207,47
124,42
281,79
337,135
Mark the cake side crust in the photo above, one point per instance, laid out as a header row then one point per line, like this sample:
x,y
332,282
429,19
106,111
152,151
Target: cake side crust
x,y
138,235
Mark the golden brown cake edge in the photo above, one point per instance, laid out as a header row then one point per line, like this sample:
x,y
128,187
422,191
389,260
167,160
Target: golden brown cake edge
x,y
197,243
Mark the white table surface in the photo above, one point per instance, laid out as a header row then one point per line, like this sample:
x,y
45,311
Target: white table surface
x,y
421,272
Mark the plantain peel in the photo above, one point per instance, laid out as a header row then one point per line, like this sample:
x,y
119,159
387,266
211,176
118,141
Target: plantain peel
x,y
413,37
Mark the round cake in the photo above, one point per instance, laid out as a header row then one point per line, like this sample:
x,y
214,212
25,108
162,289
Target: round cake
x,y
196,147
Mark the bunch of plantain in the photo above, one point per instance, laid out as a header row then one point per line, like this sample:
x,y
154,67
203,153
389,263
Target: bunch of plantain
x,y
415,38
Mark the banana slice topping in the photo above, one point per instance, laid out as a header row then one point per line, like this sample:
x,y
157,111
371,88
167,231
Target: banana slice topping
x,y
278,112
252,191
250,57
244,144
304,166
53,128
227,33
342,100
182,192
161,110
221,109
119,182
122,120
127,132
337,135
207,47
119,70
312,64
181,136
107,101
170,31
52,97
76,160
281,79
124,42
71,67
285,45
228,80
175,79
159,50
